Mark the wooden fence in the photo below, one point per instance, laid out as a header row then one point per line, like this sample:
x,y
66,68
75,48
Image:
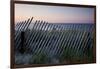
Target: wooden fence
x,y
52,39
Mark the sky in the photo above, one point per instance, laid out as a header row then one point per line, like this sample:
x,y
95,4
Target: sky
x,y
54,14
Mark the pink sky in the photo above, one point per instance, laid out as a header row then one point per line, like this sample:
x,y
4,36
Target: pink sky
x,y
54,14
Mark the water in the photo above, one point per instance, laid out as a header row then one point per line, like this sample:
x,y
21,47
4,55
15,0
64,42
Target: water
x,y
72,26
78,26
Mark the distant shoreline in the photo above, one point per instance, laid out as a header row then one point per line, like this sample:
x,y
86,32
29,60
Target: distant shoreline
x,y
67,23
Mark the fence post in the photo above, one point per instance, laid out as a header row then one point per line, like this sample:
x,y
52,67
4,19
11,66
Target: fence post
x,y
22,49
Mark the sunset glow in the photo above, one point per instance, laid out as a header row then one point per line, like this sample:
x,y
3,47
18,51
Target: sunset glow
x,y
54,14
